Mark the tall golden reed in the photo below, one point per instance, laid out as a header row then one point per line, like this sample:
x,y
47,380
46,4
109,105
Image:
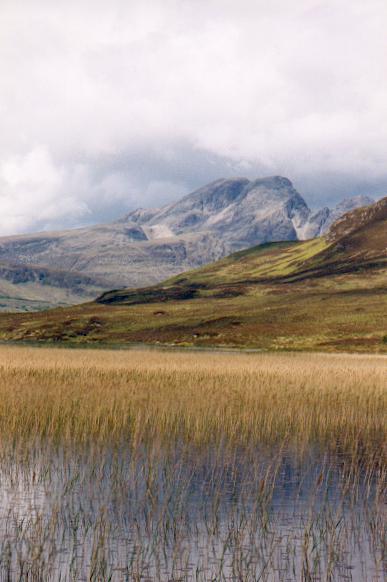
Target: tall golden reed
x,y
77,395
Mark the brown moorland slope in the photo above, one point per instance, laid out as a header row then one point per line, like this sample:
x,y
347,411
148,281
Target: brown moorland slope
x,y
325,294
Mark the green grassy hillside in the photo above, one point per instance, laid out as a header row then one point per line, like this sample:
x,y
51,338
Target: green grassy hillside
x,y
324,294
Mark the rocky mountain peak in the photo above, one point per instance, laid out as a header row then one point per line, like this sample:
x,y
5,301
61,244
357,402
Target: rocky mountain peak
x,y
353,202
214,196
148,245
250,211
247,211
346,205
272,182
320,221
358,219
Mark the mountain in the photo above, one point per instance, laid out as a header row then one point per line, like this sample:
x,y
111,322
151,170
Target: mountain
x,y
246,212
33,288
319,222
325,294
149,245
240,211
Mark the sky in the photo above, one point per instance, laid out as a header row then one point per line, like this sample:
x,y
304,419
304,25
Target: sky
x,y
110,106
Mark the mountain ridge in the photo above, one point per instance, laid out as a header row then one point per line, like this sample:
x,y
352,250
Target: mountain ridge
x,y
149,245
342,250
324,294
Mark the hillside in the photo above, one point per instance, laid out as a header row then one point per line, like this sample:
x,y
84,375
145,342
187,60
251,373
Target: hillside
x,y
150,245
34,288
323,294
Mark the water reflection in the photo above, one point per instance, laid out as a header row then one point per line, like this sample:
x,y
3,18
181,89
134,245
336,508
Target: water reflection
x,y
154,512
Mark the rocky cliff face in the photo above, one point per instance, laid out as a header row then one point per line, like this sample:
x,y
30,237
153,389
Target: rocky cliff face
x,y
238,211
149,245
244,213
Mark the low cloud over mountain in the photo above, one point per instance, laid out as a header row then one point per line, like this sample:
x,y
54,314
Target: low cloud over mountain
x,y
112,105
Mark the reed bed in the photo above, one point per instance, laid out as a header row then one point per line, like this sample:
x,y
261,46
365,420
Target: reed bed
x,y
176,466
102,395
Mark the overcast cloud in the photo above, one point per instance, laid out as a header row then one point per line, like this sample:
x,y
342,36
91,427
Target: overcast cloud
x,y
106,106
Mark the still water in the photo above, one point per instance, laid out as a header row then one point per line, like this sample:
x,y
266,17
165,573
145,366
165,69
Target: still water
x,y
174,513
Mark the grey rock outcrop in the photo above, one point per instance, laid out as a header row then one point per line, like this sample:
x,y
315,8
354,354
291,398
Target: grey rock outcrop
x,y
347,205
149,245
241,212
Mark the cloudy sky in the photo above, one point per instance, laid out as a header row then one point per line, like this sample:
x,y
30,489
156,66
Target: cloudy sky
x,y
110,105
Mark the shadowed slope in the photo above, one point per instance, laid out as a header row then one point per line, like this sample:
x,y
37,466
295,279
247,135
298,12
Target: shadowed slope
x,y
33,288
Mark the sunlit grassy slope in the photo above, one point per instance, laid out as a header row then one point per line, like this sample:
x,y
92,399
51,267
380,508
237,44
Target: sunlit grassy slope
x,y
325,294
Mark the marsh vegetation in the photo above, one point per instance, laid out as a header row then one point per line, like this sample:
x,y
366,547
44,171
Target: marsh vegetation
x,y
147,465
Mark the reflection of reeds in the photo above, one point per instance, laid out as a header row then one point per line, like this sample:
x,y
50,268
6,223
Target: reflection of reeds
x,y
187,513
159,466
